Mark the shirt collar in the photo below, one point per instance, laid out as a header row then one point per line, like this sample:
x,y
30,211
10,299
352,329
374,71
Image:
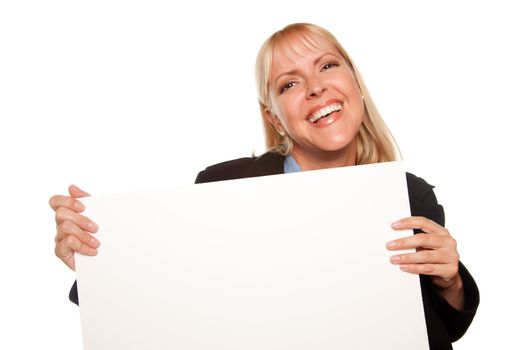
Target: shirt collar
x,y
290,165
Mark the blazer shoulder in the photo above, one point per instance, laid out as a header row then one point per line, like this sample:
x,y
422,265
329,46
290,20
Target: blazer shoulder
x,y
229,170
419,189
269,163
422,200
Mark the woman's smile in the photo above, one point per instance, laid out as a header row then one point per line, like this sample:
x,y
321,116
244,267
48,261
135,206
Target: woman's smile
x,y
320,114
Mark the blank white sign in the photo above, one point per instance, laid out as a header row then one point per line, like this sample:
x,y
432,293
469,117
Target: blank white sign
x,y
294,261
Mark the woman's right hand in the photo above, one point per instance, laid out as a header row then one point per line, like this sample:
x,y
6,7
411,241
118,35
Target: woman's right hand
x,y
73,230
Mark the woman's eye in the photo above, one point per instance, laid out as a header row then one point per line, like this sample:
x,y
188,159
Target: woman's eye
x,y
329,65
287,86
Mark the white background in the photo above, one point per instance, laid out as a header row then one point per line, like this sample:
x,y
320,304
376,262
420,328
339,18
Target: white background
x,y
119,96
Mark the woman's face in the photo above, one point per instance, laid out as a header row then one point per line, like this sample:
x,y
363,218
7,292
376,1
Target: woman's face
x,y
315,100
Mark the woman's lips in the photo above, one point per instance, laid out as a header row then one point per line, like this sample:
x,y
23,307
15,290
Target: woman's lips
x,y
328,120
324,112
319,107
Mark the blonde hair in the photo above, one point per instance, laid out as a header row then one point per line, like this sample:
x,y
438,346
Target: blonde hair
x,y
374,142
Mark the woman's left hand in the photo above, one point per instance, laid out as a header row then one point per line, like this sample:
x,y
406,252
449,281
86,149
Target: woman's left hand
x,y
436,255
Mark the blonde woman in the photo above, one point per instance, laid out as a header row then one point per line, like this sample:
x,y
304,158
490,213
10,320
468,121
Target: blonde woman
x,y
317,114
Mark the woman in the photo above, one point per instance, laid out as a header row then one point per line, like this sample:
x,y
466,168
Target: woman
x,y
317,114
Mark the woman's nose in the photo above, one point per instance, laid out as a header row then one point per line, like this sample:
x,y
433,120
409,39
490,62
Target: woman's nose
x,y
315,87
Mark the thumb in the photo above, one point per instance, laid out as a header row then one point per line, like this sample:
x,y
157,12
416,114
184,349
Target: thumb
x,y
77,192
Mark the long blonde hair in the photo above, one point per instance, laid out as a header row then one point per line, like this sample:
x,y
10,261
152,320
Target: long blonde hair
x,y
374,142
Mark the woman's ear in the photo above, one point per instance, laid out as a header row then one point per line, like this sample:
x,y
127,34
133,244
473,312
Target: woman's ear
x,y
275,121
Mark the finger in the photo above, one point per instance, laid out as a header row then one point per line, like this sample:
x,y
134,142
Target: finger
x,y
68,227
66,255
425,257
420,222
77,192
66,248
445,271
62,214
66,201
420,240
71,242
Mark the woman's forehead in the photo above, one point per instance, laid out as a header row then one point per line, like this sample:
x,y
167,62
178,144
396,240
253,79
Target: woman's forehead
x,y
296,46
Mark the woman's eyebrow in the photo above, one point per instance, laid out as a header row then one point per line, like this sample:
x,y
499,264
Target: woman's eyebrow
x,y
295,71
323,55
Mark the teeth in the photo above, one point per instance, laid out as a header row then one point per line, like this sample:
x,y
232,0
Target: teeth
x,y
325,111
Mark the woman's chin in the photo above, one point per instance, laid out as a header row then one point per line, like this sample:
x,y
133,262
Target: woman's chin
x,y
335,146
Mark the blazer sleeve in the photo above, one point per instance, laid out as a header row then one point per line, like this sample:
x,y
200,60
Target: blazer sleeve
x,y
73,293
438,311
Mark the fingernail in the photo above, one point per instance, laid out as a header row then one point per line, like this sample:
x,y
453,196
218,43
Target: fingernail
x,y
79,206
95,242
395,259
90,224
391,244
403,267
396,224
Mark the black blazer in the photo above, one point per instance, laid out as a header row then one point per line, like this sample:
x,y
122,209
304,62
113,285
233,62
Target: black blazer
x,y
444,323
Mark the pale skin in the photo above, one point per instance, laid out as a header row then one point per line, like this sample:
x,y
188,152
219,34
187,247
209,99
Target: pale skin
x,y
317,76
436,255
74,232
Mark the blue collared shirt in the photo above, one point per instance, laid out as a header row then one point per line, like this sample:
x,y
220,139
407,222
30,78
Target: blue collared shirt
x,y
290,165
